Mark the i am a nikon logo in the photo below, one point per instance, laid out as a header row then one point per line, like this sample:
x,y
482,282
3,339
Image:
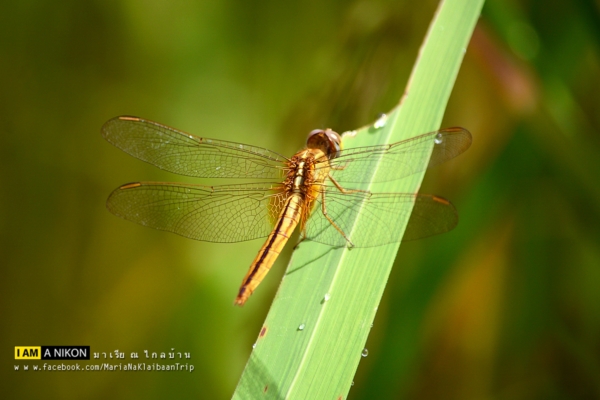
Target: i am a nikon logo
x,y
52,352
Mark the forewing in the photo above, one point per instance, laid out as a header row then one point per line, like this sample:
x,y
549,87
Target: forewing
x,y
382,214
400,159
226,214
186,154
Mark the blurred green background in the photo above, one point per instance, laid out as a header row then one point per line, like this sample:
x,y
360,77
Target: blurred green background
x,y
507,306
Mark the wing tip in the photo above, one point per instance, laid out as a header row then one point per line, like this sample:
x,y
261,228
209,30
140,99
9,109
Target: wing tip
x,y
130,185
128,118
106,128
459,130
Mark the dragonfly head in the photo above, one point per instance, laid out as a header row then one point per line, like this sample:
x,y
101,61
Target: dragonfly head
x,y
327,140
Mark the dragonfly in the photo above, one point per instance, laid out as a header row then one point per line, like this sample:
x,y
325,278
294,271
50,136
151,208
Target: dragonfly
x,y
306,190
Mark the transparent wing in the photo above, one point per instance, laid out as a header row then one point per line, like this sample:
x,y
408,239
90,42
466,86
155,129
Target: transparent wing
x,y
398,160
431,215
186,154
228,213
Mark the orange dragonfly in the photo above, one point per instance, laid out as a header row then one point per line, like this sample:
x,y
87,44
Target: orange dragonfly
x,y
304,190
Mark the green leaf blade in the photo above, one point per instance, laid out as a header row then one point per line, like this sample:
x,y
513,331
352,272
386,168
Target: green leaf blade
x,y
322,314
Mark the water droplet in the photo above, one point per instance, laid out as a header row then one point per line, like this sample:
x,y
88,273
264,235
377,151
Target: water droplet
x,y
464,50
254,345
365,352
241,146
438,139
301,327
371,325
381,121
218,168
190,136
326,297
352,384
349,134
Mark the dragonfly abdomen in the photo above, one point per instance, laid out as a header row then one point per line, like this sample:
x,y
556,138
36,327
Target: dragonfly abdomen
x,y
284,227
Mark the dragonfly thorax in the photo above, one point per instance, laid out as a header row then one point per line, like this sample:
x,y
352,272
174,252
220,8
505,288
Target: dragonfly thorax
x,y
301,170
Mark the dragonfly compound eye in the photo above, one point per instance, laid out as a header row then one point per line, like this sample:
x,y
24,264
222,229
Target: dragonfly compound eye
x,y
327,140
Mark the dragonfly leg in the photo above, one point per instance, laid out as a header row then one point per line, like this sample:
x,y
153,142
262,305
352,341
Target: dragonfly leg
x,y
343,190
324,210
